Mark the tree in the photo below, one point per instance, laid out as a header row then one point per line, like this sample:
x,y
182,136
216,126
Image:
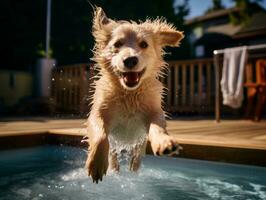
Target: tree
x,y
23,27
247,9
183,52
216,5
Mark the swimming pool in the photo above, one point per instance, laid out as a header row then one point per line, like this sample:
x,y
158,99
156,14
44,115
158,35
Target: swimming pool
x,y
56,172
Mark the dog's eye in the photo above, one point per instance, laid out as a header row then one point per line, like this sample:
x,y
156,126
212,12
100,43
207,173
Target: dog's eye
x,y
118,44
143,45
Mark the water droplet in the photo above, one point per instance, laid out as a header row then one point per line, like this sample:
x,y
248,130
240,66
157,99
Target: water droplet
x,y
69,80
54,65
64,88
40,195
61,71
53,79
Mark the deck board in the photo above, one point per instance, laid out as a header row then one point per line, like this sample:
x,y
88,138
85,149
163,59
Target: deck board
x,y
228,133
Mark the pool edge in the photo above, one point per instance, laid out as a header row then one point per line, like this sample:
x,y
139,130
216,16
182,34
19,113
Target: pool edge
x,y
194,151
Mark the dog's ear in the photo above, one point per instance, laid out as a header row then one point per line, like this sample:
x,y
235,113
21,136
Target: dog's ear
x,y
102,25
170,37
165,33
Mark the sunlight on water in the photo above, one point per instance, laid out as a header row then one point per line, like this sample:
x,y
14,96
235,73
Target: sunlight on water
x,y
57,173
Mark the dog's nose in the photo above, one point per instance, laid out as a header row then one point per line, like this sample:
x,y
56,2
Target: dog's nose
x,y
131,62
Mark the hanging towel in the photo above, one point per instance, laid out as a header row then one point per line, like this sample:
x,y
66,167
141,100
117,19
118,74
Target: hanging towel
x,y
233,75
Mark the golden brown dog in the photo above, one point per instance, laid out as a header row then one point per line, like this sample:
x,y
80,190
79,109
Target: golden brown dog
x,y
126,110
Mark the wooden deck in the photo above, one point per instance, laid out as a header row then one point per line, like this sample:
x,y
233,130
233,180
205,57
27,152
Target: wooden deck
x,y
228,133
15,127
199,138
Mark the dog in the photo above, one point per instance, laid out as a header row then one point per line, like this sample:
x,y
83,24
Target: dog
x,y
126,107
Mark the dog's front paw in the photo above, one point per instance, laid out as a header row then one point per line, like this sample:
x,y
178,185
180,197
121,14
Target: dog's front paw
x,y
164,144
97,162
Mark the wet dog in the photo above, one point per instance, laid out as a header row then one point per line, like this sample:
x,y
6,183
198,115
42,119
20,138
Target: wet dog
x,y
126,109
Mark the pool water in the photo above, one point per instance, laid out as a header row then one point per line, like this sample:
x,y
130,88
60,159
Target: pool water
x,y
56,172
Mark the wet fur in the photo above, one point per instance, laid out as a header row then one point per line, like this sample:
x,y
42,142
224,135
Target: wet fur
x,y
117,109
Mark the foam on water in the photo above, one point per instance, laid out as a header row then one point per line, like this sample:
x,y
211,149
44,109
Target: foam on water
x,y
58,173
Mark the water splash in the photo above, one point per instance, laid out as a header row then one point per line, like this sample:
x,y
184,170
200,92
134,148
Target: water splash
x,y
125,150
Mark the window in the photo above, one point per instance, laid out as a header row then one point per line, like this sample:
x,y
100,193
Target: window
x,y
199,51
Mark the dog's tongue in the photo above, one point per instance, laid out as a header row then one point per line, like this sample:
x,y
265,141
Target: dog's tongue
x,y
131,78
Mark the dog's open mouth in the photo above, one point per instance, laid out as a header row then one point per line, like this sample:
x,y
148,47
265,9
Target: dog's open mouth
x,y
131,79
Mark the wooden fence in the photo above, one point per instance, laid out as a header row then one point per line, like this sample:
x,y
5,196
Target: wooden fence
x,y
190,86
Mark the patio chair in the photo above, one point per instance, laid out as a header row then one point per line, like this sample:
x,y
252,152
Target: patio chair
x,y
256,90
261,79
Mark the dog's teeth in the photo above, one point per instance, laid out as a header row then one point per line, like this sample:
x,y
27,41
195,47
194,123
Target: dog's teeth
x,y
131,79
131,76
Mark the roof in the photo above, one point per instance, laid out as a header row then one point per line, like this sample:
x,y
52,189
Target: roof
x,y
226,29
212,15
256,26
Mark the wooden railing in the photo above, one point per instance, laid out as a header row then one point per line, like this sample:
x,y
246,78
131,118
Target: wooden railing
x,y
189,83
190,86
71,88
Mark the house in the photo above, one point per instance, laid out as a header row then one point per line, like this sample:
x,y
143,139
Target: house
x,y
27,92
215,30
15,86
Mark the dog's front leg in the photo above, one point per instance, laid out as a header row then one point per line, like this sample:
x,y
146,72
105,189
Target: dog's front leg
x,y
161,142
113,161
97,162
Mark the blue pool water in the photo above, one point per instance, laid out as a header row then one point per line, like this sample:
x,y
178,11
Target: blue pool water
x,y
54,172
